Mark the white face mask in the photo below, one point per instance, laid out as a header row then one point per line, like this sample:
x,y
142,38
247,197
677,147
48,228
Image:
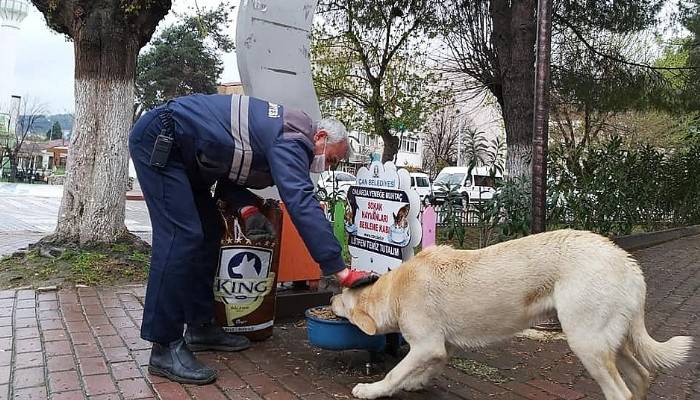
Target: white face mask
x,y
318,164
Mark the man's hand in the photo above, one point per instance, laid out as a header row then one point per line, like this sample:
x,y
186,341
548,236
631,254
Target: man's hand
x,y
257,227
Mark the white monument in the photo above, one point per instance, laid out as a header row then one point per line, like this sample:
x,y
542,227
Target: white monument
x,y
12,13
272,45
273,39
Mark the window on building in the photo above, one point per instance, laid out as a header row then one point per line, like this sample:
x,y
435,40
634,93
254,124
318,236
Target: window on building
x,y
409,145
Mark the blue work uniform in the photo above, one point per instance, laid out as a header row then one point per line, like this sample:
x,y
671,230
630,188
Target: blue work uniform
x,y
240,142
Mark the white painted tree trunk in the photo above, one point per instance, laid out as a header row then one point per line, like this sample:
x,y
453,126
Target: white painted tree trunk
x,y
94,194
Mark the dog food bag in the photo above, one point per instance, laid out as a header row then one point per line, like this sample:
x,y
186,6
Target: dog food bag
x,y
246,280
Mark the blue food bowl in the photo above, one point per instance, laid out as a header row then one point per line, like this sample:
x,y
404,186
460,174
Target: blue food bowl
x,y
340,334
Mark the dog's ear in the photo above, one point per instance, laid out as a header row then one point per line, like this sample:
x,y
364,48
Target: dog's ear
x,y
364,322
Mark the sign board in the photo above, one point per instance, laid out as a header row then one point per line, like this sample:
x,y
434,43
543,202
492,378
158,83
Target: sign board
x,y
273,39
381,218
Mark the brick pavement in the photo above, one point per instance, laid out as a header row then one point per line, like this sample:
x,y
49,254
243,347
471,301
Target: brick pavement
x,y
83,343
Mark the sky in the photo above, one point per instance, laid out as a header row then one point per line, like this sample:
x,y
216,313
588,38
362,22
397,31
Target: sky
x,y
44,68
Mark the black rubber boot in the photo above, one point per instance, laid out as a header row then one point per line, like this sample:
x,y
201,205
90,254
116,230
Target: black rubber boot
x,y
211,336
177,363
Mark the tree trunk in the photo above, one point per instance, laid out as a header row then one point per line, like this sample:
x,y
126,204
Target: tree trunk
x,y
514,38
381,127
391,146
107,36
94,194
13,166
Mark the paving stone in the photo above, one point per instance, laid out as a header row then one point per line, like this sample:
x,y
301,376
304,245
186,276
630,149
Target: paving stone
x,y
83,338
28,360
207,392
27,345
72,395
60,363
28,377
64,381
134,389
49,324
110,341
228,380
296,384
125,370
117,354
25,313
35,393
6,331
48,305
5,372
560,391
58,348
171,391
27,333
99,384
93,366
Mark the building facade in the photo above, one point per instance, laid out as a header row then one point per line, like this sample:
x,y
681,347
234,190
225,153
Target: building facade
x,y
370,147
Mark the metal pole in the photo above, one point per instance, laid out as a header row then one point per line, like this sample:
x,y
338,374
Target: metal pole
x,y
541,125
541,115
459,144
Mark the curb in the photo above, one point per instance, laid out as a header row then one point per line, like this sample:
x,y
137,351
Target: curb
x,y
639,241
134,196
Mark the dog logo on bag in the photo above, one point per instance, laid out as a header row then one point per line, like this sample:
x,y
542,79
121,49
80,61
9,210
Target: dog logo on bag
x,y
244,265
244,275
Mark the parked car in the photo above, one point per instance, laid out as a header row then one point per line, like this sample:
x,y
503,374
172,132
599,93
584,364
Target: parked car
x,y
478,186
338,182
420,182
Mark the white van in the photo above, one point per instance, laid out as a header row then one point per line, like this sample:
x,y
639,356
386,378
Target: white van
x,y
420,182
478,187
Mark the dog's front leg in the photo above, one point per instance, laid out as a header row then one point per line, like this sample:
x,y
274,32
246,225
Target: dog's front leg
x,y
422,357
420,379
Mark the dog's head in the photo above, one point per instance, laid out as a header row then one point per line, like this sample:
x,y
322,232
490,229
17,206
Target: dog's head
x,y
349,213
401,217
350,304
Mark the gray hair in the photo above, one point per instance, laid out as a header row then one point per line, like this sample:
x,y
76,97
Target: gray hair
x,y
336,130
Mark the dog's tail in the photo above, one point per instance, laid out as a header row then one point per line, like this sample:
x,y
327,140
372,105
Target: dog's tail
x,y
666,354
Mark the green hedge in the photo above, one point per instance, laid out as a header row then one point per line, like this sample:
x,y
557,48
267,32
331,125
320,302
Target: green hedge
x,y
609,188
614,189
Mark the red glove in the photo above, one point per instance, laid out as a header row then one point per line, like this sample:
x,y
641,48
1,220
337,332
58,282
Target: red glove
x,y
355,279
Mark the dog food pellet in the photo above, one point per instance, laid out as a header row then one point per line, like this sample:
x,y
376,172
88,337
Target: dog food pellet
x,y
325,313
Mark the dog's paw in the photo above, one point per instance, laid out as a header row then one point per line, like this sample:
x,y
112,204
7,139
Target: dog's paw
x,y
368,391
